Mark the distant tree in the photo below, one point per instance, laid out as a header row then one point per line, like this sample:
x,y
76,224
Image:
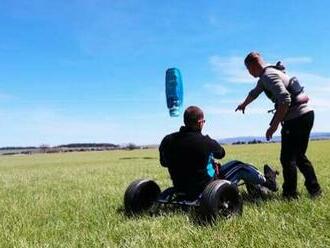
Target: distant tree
x,y
132,146
88,145
255,141
238,143
44,147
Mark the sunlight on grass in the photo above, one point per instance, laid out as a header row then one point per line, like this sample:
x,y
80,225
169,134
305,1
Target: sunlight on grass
x,y
76,199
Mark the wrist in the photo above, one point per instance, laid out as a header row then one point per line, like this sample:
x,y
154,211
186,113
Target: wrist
x,y
274,125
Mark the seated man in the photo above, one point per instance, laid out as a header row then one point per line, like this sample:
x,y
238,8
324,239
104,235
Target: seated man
x,y
188,155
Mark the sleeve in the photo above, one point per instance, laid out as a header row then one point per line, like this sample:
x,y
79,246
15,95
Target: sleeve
x,y
217,150
163,151
256,91
276,86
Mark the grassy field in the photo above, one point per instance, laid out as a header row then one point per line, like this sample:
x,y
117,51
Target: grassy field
x,y
76,200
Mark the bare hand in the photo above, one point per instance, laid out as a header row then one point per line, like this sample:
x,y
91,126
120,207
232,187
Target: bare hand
x,y
270,131
240,107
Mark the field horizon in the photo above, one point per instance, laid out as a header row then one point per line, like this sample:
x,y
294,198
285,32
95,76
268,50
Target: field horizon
x,y
76,200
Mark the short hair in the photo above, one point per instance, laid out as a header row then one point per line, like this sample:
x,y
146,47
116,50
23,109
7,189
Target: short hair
x,y
192,115
252,57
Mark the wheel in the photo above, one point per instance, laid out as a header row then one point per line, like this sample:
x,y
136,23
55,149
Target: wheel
x,y
220,197
140,196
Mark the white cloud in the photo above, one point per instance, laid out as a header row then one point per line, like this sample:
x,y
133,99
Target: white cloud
x,y
217,89
297,60
231,111
23,127
314,81
318,88
51,127
320,104
4,96
231,69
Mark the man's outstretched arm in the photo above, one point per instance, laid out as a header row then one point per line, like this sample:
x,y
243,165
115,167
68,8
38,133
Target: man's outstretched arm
x,y
246,102
253,94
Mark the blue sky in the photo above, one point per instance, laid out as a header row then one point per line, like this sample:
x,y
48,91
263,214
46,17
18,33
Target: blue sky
x,y
94,71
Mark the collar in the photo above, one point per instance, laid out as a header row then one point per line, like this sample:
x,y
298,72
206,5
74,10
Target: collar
x,y
189,129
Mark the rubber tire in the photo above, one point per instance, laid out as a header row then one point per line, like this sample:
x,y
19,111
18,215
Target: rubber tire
x,y
140,196
220,197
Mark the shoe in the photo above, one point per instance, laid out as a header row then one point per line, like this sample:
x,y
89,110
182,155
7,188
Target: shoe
x,y
270,175
290,195
315,194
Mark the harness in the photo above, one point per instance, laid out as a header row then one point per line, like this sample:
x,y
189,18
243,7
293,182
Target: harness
x,y
294,88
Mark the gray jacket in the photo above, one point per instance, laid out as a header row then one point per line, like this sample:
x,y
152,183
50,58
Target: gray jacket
x,y
275,83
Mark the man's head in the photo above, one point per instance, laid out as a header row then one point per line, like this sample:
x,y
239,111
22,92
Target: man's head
x,y
254,63
193,117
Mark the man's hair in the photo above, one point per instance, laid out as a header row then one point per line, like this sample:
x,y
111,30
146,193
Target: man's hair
x,y
192,115
251,58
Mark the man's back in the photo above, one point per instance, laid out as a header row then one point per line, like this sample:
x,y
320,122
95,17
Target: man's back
x,y
186,154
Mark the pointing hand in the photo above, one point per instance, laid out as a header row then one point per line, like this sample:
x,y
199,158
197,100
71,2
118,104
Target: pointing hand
x,y
240,107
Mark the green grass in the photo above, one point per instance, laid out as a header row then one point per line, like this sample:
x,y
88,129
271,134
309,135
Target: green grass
x,y
76,199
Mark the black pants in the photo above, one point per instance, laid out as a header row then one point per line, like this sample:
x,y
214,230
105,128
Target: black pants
x,y
295,137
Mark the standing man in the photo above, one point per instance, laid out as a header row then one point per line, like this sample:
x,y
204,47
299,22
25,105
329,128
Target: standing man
x,y
296,117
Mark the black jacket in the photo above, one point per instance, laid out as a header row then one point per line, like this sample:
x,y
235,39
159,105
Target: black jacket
x,y
186,154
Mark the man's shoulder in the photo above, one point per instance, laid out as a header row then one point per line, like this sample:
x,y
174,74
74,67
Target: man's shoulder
x,y
181,134
206,136
170,136
271,73
209,139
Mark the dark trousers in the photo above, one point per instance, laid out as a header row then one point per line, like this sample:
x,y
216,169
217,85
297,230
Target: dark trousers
x,y
295,137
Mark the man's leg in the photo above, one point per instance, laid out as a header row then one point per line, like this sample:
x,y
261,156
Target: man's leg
x,y
235,171
304,165
288,161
